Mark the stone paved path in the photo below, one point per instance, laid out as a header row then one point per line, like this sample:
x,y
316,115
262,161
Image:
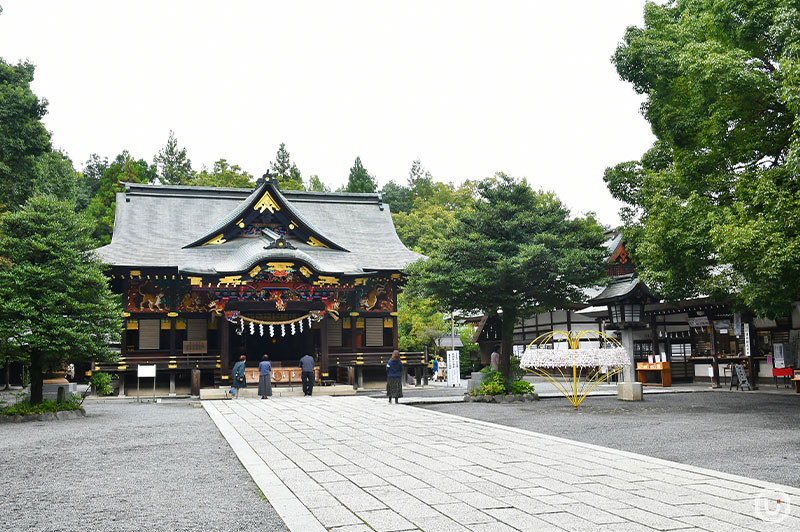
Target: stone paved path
x,y
355,464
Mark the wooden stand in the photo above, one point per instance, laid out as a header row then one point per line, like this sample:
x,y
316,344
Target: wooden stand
x,y
663,367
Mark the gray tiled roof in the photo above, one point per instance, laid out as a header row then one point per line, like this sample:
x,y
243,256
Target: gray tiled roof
x,y
620,287
154,223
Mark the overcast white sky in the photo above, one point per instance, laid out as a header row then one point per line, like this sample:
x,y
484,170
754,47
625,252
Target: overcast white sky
x,y
468,87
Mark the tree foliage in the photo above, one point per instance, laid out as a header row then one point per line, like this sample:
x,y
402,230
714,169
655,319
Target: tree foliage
x,y
285,171
515,252
712,206
102,207
224,175
172,164
23,137
315,184
55,304
55,176
359,179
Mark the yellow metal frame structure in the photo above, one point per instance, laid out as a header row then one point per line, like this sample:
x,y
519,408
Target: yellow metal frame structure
x,y
569,387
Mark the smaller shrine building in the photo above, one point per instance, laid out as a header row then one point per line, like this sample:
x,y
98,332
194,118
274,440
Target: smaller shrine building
x,y
208,274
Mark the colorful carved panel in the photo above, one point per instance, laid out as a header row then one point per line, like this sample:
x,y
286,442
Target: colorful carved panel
x,y
191,301
148,296
375,296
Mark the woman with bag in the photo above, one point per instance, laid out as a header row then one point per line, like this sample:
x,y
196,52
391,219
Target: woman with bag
x,y
265,377
238,377
394,377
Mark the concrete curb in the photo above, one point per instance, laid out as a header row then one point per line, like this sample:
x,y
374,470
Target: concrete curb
x,y
47,416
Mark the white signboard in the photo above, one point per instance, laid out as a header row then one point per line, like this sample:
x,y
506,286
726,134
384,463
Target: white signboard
x,y
700,321
746,339
780,363
146,371
453,368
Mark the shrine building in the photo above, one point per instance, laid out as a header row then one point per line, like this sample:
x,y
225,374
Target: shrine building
x,y
208,274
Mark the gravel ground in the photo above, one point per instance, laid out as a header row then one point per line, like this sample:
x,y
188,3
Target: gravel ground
x,y
127,466
753,435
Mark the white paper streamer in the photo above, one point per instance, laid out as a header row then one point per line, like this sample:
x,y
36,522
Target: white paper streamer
x,y
292,327
283,330
301,325
252,328
613,357
261,329
271,331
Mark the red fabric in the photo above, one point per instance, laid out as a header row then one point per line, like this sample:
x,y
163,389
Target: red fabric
x,y
782,372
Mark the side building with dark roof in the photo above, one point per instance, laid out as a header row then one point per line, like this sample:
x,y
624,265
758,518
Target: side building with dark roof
x,y
208,274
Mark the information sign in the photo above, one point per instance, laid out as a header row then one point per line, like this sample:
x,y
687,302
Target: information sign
x,y
146,371
453,368
740,374
747,339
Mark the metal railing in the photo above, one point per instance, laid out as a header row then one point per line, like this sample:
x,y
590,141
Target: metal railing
x,y
412,358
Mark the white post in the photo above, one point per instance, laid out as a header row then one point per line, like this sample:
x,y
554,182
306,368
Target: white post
x,y
629,389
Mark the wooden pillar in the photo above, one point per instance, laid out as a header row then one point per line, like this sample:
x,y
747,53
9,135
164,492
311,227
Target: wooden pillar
x,y
353,321
225,345
425,373
569,320
323,348
395,334
172,337
753,370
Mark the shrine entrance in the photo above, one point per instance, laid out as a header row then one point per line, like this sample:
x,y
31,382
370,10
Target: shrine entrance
x,y
282,346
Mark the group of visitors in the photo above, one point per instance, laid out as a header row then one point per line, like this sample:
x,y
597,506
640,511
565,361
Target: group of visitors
x,y
394,376
265,376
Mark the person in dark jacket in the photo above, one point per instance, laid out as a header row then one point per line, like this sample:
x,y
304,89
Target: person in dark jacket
x,y
239,381
265,377
307,374
394,377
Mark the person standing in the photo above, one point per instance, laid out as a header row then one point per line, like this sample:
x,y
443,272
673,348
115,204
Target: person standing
x,y
239,381
265,377
394,377
307,374
495,358
435,369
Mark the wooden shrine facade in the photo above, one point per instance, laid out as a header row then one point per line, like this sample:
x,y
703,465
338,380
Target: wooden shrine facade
x,y
220,273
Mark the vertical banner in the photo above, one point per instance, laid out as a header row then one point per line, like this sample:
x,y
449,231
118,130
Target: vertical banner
x,y
453,368
737,324
747,339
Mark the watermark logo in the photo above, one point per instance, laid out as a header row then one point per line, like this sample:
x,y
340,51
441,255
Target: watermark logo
x,y
772,506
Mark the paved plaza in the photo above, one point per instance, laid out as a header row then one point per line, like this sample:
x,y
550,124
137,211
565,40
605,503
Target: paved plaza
x,y
357,464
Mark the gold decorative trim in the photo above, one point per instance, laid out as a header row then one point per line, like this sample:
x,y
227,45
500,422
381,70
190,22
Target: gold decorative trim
x,y
266,202
326,279
219,239
234,280
314,242
255,271
196,281
305,271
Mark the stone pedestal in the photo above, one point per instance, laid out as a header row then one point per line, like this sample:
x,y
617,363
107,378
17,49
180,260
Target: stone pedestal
x,y
475,379
50,390
629,391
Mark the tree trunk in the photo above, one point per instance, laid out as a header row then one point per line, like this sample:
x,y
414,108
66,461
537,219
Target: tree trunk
x,y
509,320
37,378
8,375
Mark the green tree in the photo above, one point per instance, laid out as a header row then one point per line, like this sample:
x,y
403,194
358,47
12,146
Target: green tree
x,y
712,206
55,176
420,181
315,184
89,183
54,298
172,165
397,197
23,137
516,252
102,207
285,171
359,179
419,322
224,175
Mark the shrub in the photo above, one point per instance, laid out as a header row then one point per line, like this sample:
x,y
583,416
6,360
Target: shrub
x,y
520,387
493,385
23,408
101,382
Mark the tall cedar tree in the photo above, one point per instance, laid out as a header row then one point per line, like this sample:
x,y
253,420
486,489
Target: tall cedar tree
x,y
55,304
359,179
23,137
172,164
224,175
514,253
285,171
713,206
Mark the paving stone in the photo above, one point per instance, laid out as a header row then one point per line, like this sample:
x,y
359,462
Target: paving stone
x,y
331,516
440,524
491,527
522,521
463,513
480,500
386,521
650,519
